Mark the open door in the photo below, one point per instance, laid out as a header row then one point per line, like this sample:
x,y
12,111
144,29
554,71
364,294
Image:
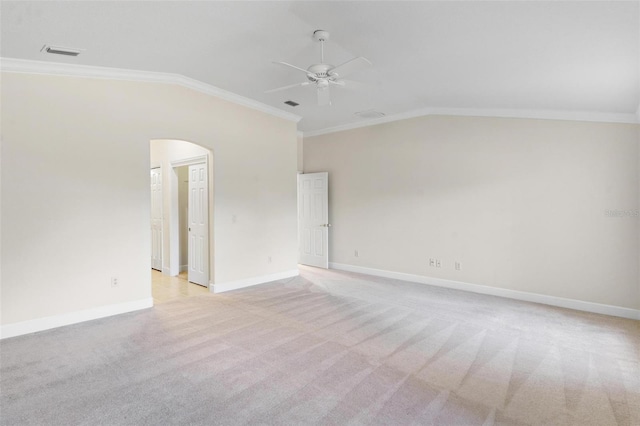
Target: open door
x,y
198,225
313,219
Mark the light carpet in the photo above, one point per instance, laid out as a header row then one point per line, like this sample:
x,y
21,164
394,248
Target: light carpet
x,y
329,348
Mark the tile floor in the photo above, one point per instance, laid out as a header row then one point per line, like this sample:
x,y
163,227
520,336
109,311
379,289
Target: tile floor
x,y
165,287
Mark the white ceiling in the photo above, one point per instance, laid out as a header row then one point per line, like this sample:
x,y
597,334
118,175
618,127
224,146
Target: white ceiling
x,y
558,56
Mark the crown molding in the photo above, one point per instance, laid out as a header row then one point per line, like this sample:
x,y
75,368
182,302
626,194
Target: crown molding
x,y
602,117
86,71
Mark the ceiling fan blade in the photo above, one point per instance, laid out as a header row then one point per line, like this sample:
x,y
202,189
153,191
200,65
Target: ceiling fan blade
x,y
323,97
293,66
351,66
304,83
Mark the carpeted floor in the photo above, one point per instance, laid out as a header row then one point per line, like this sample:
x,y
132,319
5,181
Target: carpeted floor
x,y
329,348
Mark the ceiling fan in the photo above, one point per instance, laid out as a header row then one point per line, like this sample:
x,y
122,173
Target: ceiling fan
x,y
324,75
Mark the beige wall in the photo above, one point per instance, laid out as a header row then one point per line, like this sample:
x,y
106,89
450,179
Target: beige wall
x,y
520,203
75,188
300,142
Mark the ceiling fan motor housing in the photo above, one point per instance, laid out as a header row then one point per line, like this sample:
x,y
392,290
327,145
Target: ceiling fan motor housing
x,y
320,70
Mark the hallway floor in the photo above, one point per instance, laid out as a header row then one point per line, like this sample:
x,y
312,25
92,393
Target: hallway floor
x,y
165,287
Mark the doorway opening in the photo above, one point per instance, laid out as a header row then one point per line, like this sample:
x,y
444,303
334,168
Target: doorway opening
x,y
185,173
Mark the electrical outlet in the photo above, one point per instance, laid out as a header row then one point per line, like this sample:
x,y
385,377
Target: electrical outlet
x,y
438,264
458,266
269,259
114,282
432,262
356,253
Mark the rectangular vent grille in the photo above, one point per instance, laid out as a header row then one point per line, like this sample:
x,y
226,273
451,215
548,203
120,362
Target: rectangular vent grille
x,y
291,103
62,51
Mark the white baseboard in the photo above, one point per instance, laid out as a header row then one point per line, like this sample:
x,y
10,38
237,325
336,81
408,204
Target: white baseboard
x,y
580,305
184,268
46,323
248,282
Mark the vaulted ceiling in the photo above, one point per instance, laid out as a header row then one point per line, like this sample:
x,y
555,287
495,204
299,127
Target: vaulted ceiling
x,y
514,57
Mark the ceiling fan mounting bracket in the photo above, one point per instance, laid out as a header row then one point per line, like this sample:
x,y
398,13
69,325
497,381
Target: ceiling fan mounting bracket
x,y
321,35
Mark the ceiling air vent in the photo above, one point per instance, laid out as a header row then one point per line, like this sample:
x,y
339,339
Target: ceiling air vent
x,y
291,103
67,51
370,113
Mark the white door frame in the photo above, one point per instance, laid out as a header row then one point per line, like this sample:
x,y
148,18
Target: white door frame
x,y
161,212
174,224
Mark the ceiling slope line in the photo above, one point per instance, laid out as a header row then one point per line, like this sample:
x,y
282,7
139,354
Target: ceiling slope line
x,y
88,71
600,117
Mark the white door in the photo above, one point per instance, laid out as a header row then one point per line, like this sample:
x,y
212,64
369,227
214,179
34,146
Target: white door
x,y
156,219
313,219
198,225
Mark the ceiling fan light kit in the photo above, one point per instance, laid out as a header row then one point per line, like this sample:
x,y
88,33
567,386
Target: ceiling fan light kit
x,y
324,75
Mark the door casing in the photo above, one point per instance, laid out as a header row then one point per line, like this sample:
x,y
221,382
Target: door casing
x,y
156,219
